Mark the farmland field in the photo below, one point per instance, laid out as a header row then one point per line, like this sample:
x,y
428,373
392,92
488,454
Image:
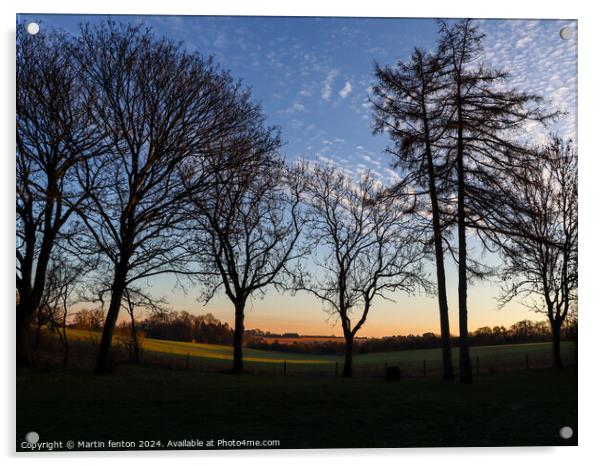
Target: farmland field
x,y
210,357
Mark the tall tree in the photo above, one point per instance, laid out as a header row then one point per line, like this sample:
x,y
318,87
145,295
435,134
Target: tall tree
x,y
364,247
531,215
407,107
54,137
485,116
160,107
246,226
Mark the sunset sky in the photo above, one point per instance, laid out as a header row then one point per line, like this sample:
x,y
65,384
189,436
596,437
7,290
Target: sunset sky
x,y
312,77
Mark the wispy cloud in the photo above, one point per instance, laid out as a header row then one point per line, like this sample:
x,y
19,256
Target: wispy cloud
x,y
297,107
346,90
327,87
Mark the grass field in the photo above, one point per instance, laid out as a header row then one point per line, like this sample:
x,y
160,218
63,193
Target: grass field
x,y
207,356
150,404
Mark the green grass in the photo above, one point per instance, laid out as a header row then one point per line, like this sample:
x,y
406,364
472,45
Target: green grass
x,y
209,351
134,403
499,354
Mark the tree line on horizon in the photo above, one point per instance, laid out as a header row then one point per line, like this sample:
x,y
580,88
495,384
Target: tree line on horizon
x,y
136,158
521,332
206,328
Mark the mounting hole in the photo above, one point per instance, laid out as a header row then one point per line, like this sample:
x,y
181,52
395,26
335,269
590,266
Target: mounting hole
x,y
566,432
32,437
566,33
32,28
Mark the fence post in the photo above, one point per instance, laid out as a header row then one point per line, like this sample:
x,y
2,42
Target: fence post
x,y
187,361
284,368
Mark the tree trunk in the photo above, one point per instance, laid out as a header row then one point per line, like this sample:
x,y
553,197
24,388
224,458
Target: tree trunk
x,y
465,369
66,343
30,295
239,329
24,315
117,290
135,347
448,367
38,331
556,342
348,367
29,300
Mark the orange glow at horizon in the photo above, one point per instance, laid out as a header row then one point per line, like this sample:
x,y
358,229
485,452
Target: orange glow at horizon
x,y
305,315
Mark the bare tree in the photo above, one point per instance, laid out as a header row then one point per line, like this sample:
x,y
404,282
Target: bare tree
x,y
407,107
485,116
246,227
89,319
532,218
62,280
136,300
54,136
363,247
160,107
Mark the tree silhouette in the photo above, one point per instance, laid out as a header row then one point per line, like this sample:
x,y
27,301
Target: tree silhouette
x,y
245,223
160,107
54,137
363,247
532,219
407,107
64,275
485,116
137,158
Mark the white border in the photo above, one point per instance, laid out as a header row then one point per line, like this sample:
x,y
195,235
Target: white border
x,y
590,257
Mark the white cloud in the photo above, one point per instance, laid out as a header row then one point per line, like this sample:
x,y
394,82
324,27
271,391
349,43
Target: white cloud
x,y
346,90
327,87
326,160
524,41
295,107
540,62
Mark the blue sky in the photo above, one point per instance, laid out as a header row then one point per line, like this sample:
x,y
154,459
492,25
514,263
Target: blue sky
x,y
312,76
